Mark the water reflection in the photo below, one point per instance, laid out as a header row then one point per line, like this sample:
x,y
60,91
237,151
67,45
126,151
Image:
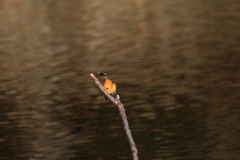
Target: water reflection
x,y
178,78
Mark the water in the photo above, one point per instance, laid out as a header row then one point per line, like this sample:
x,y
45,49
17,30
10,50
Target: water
x,y
176,66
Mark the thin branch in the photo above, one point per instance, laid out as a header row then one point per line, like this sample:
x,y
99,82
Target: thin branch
x,y
116,101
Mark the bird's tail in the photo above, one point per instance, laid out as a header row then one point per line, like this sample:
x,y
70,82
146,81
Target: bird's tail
x,y
105,98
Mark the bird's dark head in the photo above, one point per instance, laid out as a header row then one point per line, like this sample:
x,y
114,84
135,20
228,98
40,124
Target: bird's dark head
x,y
105,75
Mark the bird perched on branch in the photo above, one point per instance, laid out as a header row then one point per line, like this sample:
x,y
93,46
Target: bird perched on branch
x,y
110,87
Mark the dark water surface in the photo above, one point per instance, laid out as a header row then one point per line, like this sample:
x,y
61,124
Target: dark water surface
x,y
176,65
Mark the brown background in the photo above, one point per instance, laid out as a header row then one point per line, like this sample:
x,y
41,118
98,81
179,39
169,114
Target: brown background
x,y
176,64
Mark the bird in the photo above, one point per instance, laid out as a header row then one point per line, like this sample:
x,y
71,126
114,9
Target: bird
x,y
110,87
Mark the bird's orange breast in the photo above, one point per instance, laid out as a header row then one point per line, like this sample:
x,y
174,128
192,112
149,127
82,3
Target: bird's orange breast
x,y
109,86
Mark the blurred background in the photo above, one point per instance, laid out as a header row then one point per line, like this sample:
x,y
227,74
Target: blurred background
x,y
176,65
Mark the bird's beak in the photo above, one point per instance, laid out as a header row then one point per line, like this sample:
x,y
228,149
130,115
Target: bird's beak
x,y
102,74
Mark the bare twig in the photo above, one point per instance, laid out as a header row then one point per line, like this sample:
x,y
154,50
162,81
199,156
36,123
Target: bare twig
x,y
121,109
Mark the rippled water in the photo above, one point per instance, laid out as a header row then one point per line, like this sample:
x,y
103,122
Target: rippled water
x,y
176,66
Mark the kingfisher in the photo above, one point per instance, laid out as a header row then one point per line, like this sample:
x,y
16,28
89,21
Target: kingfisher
x,y
110,87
